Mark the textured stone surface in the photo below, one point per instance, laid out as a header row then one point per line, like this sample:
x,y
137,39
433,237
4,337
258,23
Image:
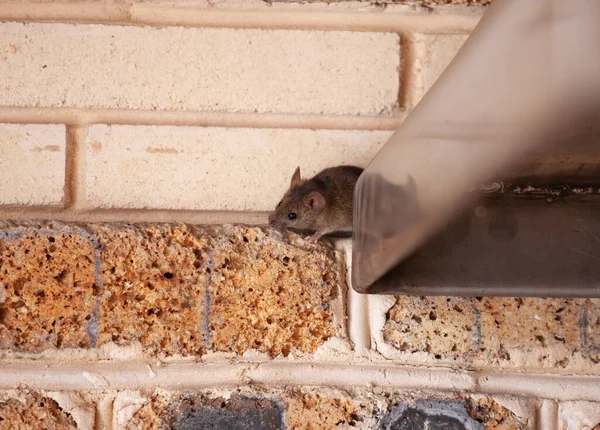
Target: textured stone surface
x,y
445,327
32,163
270,296
244,408
411,2
33,411
440,50
318,408
523,324
199,69
579,416
313,411
212,168
154,288
489,329
591,329
429,415
492,415
47,290
236,413
457,2
174,289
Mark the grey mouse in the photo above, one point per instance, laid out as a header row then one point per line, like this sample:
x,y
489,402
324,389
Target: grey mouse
x,y
322,204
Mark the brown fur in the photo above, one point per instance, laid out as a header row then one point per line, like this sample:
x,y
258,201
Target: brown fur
x,y
322,204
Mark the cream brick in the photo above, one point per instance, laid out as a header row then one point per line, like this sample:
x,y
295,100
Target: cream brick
x,y
198,69
579,416
32,164
440,50
211,168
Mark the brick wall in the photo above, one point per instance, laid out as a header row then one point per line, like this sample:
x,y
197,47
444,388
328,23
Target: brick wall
x,y
142,145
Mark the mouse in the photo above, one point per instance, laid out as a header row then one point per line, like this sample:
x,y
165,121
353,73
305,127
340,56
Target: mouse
x,y
321,204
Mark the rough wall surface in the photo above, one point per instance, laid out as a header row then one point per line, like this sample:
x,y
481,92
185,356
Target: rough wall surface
x,y
174,290
153,136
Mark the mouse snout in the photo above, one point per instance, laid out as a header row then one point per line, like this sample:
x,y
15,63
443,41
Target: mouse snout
x,y
275,223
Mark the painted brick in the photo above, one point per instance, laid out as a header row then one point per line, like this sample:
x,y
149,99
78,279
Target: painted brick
x,y
97,66
440,50
32,411
47,290
32,164
212,168
174,290
579,416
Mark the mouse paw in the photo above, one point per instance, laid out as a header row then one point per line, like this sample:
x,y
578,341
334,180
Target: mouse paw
x,y
314,238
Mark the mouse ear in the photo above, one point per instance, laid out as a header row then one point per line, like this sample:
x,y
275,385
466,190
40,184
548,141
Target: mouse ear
x,y
315,201
295,178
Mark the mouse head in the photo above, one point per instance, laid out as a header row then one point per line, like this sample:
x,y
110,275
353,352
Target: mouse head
x,y
300,207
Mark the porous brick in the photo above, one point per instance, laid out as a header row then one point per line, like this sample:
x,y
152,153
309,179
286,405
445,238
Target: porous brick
x,y
411,2
230,289
48,290
214,69
165,409
212,168
456,2
269,295
439,52
32,411
314,411
439,414
524,324
32,163
491,330
579,416
454,412
154,287
237,412
245,408
444,327
591,329
174,289
492,415
313,408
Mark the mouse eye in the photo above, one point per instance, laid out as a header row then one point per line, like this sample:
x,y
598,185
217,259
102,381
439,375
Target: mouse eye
x,y
280,203
292,215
